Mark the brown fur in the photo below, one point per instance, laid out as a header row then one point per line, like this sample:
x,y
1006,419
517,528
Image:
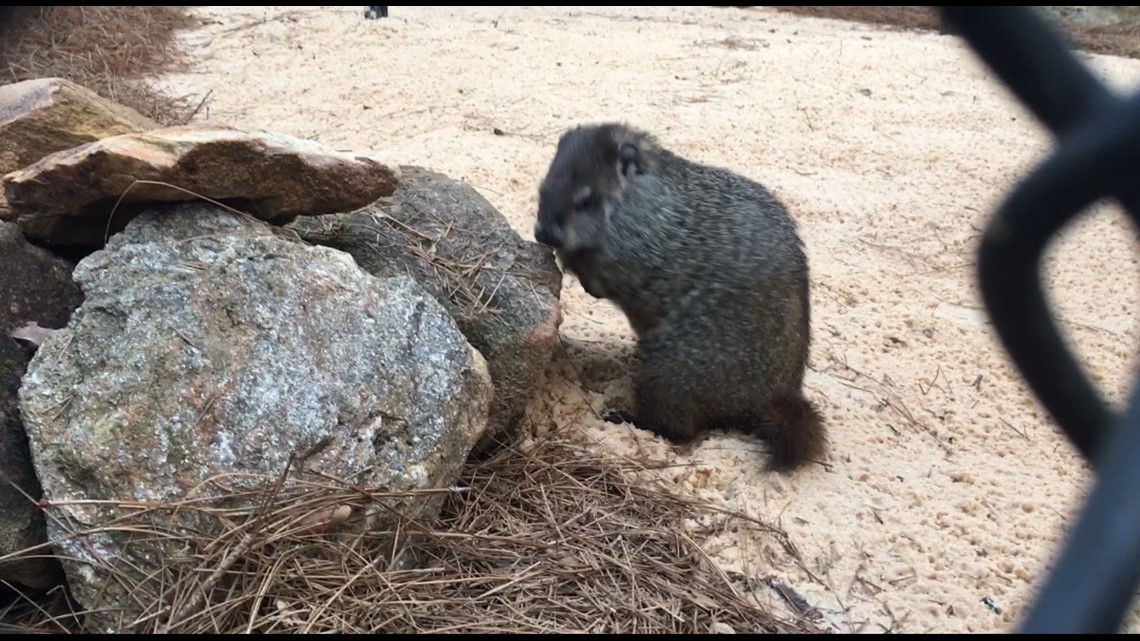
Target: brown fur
x,y
708,268
795,430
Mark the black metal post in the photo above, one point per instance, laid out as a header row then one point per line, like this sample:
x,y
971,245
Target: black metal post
x,y
1097,156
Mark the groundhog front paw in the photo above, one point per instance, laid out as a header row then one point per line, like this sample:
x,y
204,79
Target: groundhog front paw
x,y
617,417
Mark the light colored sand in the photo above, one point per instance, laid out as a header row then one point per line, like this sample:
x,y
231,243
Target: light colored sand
x,y
946,482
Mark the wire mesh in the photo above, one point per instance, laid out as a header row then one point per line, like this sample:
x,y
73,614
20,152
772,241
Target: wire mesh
x,y
1096,156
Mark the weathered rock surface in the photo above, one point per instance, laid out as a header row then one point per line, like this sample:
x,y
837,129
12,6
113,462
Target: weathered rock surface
x,y
209,344
45,115
68,197
503,291
35,288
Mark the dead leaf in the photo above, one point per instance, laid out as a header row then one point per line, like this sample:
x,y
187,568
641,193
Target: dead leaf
x,y
32,333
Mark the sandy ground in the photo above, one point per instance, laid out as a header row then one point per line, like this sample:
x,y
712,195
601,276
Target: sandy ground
x,y
946,482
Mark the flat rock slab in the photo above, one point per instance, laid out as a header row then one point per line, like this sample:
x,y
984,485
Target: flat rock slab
x,y
68,197
45,115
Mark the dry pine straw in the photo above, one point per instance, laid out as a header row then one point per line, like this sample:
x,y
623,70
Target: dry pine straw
x,y
555,539
109,50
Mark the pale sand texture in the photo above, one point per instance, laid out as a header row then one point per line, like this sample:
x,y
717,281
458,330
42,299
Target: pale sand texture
x,y
946,482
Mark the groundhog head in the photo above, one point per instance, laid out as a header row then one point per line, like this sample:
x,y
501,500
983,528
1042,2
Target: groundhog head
x,y
593,167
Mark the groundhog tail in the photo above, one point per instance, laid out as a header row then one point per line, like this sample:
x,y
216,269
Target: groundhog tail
x,y
795,432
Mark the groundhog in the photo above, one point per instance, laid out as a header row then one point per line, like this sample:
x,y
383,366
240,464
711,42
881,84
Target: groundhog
x,y
709,269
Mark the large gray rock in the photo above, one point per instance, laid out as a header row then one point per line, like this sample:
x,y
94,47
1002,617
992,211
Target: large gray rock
x,y
78,196
208,344
35,288
503,291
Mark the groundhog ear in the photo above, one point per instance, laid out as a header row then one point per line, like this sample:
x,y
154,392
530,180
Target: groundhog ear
x,y
628,159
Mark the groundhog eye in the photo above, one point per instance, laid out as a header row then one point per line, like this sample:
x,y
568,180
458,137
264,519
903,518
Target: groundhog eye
x,y
588,203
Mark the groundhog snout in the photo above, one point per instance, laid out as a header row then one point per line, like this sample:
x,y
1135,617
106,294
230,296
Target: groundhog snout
x,y
548,235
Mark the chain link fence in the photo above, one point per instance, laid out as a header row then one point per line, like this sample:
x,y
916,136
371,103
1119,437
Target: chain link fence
x,y
1096,156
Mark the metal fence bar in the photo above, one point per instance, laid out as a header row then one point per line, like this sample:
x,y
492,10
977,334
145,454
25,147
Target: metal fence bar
x,y
1097,156
1032,61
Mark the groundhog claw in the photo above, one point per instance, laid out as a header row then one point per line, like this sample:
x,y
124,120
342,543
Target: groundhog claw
x,y
617,417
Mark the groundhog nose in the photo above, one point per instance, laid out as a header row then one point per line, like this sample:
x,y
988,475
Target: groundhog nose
x,y
546,236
